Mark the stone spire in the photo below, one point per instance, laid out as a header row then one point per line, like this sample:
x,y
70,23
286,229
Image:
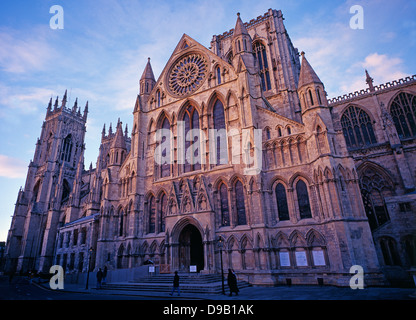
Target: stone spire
x,y
65,99
85,111
75,107
119,142
240,28
241,41
369,81
148,72
307,74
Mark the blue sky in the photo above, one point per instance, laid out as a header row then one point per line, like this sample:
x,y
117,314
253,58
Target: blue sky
x,y
100,55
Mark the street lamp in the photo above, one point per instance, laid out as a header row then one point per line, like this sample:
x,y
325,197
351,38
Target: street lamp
x,y
220,244
89,264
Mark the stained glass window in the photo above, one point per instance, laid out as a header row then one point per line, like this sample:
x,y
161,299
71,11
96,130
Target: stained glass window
x,y
220,139
152,214
357,128
240,204
261,56
225,212
191,120
403,112
374,188
163,207
165,166
303,200
282,208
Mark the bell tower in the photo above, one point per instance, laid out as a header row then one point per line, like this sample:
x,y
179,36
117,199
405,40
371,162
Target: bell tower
x,y
50,180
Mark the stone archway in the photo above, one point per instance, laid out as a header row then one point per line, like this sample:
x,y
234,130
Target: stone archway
x,y
190,249
187,245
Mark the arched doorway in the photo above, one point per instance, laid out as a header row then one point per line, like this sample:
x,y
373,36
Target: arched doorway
x,y
191,250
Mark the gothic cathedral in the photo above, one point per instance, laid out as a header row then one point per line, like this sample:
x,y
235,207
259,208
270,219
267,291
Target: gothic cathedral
x,y
235,151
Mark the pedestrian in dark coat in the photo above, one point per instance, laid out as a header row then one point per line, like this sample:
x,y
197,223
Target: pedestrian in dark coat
x,y
232,282
105,275
176,284
99,278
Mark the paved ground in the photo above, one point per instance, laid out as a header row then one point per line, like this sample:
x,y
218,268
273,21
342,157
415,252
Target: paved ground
x,y
256,302
22,289
267,293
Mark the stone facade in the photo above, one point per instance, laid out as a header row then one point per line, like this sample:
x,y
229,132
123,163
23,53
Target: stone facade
x,y
330,185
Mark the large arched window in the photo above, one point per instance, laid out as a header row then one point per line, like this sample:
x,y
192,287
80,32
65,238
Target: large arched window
x,y
192,142
218,70
162,152
66,191
403,112
158,98
163,209
121,224
240,204
151,214
261,57
225,211
357,128
67,149
282,208
374,188
220,137
303,200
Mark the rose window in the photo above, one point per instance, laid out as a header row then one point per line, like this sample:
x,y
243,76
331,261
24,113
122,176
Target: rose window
x,y
187,75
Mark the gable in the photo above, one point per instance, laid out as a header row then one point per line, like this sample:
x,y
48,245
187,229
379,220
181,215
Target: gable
x,y
188,70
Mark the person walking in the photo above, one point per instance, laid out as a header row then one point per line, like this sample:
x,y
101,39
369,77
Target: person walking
x,y
232,282
99,278
105,275
176,284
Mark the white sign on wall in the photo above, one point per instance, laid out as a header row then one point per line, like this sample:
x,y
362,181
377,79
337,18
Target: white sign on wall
x,y
192,269
318,258
284,259
301,260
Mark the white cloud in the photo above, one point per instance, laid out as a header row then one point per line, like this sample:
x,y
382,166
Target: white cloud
x,y
12,168
381,67
23,54
384,68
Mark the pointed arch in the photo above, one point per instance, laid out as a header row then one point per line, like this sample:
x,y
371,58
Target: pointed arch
x,y
282,241
296,239
314,238
357,127
190,135
303,199
376,184
163,210
240,203
224,204
403,111
151,213
218,136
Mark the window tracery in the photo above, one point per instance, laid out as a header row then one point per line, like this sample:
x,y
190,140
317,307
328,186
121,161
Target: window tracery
x,y
357,128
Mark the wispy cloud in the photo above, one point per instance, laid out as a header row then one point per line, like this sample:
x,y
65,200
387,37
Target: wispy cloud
x,y
23,53
382,68
12,168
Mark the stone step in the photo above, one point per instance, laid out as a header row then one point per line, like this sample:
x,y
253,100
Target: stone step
x,y
203,284
183,279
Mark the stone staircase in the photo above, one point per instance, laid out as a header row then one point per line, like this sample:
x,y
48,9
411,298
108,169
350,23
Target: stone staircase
x,y
189,283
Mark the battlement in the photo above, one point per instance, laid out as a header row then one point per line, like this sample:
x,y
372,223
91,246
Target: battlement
x,y
248,25
380,88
